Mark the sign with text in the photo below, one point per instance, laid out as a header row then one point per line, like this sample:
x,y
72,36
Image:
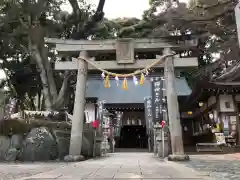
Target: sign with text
x,y
148,112
157,99
100,113
118,124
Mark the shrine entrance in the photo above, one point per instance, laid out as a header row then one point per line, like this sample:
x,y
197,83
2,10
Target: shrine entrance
x,y
133,136
130,132
135,58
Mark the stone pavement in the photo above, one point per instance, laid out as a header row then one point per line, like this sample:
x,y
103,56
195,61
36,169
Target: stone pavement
x,y
219,167
10,171
120,166
129,166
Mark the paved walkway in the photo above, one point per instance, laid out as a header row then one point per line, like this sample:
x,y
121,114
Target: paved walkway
x,y
120,166
127,166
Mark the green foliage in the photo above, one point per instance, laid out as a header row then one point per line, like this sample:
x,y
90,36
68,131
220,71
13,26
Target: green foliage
x,y
23,26
17,17
213,22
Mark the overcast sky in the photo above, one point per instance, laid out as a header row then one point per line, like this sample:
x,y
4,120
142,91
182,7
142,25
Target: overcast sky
x,y
123,8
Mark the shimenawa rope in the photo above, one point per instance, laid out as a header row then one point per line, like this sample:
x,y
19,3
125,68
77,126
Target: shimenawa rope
x,y
159,61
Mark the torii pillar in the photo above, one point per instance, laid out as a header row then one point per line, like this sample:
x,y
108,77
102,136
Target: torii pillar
x,y
175,127
237,18
78,111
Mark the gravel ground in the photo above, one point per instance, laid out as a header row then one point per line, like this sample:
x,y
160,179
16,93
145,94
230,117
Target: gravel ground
x,y
220,167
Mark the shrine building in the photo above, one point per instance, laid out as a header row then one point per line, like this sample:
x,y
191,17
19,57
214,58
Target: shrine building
x,y
211,109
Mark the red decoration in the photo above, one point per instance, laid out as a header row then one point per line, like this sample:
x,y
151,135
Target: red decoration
x,y
95,124
163,123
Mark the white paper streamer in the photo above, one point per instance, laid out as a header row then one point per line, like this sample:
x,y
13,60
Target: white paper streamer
x,y
103,75
146,72
117,80
135,80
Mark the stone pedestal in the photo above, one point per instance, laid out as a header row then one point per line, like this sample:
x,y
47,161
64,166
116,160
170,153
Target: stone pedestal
x,y
70,158
178,157
160,149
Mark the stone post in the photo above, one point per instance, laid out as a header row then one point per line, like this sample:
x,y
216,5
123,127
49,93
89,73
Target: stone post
x,y
175,127
78,112
154,142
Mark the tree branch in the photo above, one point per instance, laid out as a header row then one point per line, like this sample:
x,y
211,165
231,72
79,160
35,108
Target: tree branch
x,y
205,19
61,94
75,6
88,28
208,8
97,17
100,7
218,4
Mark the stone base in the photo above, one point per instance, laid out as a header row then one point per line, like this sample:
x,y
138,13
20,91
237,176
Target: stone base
x,y
176,157
70,158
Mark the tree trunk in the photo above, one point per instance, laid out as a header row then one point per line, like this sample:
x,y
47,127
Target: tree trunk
x,y
53,100
32,104
51,81
43,76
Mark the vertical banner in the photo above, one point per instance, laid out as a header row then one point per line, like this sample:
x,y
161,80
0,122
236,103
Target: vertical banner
x,y
118,124
164,101
100,114
157,102
148,113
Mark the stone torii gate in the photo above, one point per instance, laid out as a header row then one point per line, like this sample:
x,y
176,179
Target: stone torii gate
x,y
125,59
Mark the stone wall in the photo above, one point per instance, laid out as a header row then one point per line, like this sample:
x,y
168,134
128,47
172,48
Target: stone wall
x,y
4,146
42,144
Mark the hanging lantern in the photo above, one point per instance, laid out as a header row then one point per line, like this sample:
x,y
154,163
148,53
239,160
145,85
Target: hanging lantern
x,y
190,112
200,104
125,84
142,79
107,82
211,116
